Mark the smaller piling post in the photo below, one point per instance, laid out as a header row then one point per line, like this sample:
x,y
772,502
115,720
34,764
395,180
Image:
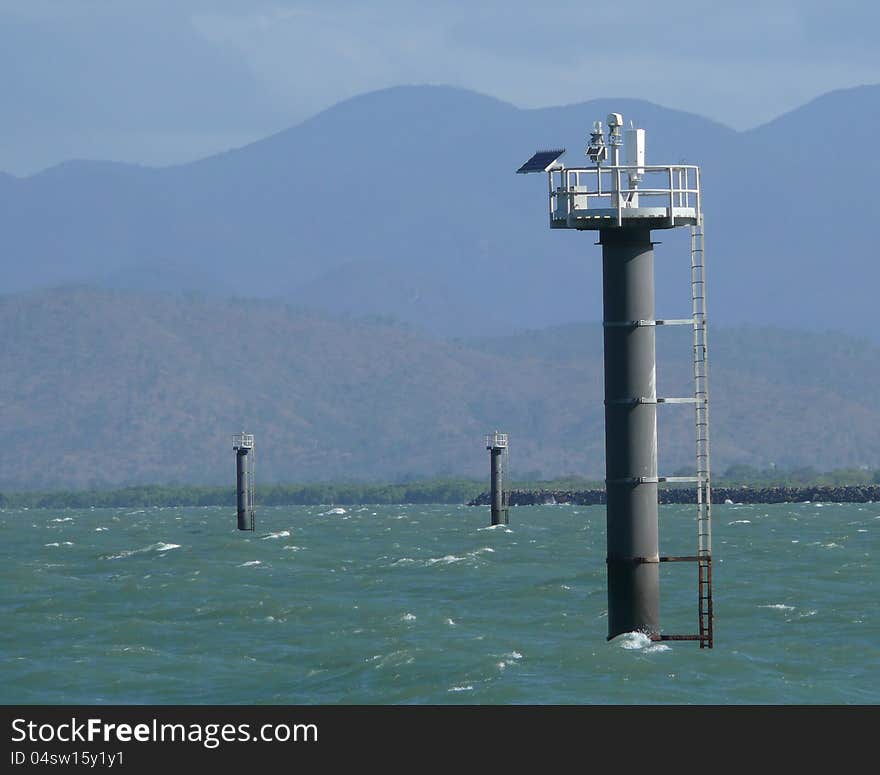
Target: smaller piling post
x,y
243,444
496,443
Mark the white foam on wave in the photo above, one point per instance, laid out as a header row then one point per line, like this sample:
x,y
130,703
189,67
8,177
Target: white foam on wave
x,y
778,606
639,641
408,617
334,511
292,548
740,522
450,622
63,519
250,562
101,529
279,534
508,659
467,688
54,543
633,641
162,546
446,559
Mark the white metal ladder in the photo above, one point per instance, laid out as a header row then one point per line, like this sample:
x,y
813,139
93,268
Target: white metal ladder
x,y
702,480
701,420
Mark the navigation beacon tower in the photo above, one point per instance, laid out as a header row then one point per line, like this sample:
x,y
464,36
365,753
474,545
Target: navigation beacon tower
x,y
624,202
243,444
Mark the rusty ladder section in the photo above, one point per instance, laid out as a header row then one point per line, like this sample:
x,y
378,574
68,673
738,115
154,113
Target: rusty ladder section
x,y
703,557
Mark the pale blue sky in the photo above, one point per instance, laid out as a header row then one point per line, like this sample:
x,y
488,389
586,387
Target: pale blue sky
x,y
161,81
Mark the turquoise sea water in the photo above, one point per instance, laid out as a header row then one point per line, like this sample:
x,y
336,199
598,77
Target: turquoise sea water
x,y
426,604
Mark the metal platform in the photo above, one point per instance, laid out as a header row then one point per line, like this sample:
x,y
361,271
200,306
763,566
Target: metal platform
x,y
603,197
611,217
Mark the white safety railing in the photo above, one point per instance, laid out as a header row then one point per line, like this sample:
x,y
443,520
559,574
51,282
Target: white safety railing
x,y
496,441
577,190
243,441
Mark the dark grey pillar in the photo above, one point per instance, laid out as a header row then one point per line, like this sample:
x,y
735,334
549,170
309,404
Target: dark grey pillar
x,y
496,486
630,432
242,494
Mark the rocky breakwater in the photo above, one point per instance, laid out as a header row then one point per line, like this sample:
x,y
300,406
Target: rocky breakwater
x,y
859,493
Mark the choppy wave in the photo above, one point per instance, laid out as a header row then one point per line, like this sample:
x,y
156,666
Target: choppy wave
x,y
279,534
249,563
161,546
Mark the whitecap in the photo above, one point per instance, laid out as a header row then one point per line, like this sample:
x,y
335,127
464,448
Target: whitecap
x,y
408,617
446,560
163,547
63,519
778,606
450,622
632,641
334,511
740,522
251,562
279,534
512,655
55,543
728,502
467,688
101,529
292,548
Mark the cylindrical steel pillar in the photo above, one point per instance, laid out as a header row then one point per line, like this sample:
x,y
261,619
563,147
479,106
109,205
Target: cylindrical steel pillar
x,y
496,486
630,432
242,494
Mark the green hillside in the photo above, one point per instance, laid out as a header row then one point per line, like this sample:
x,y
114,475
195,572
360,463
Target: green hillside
x,y
101,389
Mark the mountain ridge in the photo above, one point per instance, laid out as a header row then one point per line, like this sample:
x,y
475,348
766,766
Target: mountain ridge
x,y
109,388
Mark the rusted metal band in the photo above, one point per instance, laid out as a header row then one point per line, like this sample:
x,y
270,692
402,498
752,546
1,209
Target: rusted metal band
x,y
631,560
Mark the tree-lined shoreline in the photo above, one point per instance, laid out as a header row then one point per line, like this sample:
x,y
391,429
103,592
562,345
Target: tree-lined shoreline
x,y
740,484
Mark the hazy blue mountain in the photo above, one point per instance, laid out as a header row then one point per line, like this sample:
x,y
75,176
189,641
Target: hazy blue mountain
x,y
403,202
106,388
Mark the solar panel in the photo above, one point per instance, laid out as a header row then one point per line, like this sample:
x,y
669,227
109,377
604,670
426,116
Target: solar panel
x,y
541,161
